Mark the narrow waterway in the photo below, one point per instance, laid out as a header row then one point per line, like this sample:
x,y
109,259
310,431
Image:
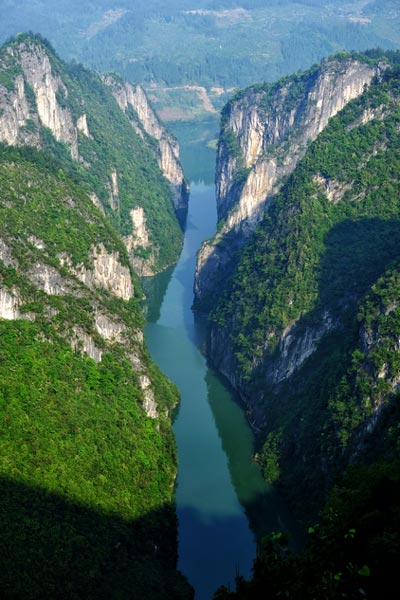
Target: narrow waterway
x,y
222,499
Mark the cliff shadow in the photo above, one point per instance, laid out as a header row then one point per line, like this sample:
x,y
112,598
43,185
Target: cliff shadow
x,y
213,549
357,253
52,548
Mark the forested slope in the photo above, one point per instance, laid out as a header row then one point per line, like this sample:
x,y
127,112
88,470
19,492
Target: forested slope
x,y
306,329
87,453
308,332
69,112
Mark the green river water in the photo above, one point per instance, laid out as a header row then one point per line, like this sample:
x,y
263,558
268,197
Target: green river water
x,y
222,500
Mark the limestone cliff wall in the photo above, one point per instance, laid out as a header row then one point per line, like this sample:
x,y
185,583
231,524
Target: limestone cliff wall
x,y
15,115
105,272
264,134
37,97
133,97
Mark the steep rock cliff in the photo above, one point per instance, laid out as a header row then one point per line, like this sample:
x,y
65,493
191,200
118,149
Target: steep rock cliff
x,y
264,133
133,101
87,265
286,332
72,114
35,97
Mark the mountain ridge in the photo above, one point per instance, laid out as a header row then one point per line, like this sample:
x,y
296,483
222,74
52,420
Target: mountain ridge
x,y
67,110
285,329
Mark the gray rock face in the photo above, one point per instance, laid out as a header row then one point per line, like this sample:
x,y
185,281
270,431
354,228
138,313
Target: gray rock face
x,y
48,279
15,114
39,95
36,99
139,239
293,350
106,272
264,135
134,97
9,303
6,254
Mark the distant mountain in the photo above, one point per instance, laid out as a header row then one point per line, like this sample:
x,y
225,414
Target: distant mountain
x,y
216,45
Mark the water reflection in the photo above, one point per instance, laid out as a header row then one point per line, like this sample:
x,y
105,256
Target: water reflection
x,y
155,289
264,508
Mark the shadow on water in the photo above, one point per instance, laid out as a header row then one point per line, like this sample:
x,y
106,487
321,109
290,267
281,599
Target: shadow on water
x,y
53,548
265,509
222,536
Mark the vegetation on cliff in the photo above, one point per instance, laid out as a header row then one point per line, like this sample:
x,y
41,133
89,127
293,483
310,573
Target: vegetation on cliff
x,y
87,455
301,297
113,161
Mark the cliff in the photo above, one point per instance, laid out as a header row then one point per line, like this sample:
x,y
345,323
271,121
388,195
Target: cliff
x,y
133,101
288,330
72,114
265,131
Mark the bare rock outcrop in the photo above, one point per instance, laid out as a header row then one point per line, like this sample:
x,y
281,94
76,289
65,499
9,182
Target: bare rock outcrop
x,y
264,134
133,97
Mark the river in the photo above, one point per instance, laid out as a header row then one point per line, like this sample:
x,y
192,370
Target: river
x,y
222,499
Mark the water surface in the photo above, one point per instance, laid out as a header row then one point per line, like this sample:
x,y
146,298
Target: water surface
x,y
221,496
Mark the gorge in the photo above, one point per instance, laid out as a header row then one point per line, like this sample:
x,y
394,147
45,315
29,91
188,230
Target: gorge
x,y
296,305
222,500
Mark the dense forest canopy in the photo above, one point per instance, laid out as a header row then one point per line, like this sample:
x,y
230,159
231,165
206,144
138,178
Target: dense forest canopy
x,y
223,43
